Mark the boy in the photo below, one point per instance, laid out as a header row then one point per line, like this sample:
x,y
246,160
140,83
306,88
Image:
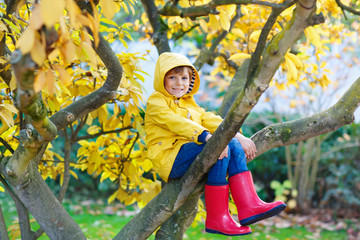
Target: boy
x,y
177,129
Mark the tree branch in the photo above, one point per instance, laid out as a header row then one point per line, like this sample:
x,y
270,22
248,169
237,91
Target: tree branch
x,y
6,145
101,133
159,27
283,134
171,9
94,100
208,55
255,59
3,229
347,8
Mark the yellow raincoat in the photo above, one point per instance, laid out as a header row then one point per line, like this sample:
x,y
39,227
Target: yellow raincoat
x,y
172,122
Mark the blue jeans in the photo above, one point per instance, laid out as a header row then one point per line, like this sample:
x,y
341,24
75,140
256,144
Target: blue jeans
x,y
233,164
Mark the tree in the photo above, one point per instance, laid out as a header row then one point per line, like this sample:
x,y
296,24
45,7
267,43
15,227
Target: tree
x,y
54,47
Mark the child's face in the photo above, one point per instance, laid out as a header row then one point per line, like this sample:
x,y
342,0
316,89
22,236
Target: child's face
x,y
177,84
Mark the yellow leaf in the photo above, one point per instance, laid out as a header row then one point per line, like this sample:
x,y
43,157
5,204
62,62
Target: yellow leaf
x,y
12,84
73,12
254,37
93,129
40,81
9,107
238,32
126,120
224,21
2,189
27,41
203,25
239,56
213,22
280,86
67,51
292,103
52,105
89,53
64,76
51,10
6,117
73,174
112,197
36,20
312,36
292,71
109,8
295,59
50,81
38,52
288,11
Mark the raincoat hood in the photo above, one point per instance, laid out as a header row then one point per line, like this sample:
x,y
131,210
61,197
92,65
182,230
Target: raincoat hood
x,y
166,62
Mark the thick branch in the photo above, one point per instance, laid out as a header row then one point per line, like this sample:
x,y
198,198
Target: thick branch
x,y
158,210
158,25
175,227
34,193
287,133
11,6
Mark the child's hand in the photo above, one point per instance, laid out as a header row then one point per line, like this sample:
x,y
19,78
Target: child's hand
x,y
248,145
224,153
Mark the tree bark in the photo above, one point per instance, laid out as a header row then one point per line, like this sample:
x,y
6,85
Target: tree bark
x,y
44,207
3,229
160,28
175,227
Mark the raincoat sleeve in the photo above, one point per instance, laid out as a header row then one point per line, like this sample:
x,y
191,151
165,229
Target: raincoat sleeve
x,y
210,120
159,112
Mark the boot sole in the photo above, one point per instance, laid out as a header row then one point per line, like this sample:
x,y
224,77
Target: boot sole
x,y
226,234
261,216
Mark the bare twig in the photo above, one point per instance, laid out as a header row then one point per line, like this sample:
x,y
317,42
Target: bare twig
x,y
6,145
101,133
347,8
210,8
66,178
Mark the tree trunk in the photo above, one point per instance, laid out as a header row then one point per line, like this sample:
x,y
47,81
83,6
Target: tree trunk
x,y
47,210
175,227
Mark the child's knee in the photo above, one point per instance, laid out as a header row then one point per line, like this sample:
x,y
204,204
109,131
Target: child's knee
x,y
234,143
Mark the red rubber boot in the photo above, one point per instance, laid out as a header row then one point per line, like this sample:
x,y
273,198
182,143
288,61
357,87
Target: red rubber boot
x,y
218,219
250,207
